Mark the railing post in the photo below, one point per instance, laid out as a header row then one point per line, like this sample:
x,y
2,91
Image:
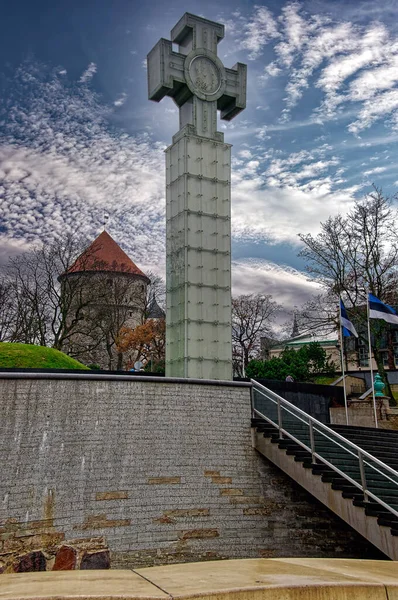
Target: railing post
x,y
252,400
363,475
312,441
280,418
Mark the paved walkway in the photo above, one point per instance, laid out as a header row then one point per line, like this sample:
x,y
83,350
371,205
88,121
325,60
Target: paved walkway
x,y
250,579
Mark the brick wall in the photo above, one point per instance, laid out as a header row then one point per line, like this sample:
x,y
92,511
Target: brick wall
x,y
162,471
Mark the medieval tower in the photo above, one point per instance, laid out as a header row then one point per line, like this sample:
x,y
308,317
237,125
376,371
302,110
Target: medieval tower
x,y
109,292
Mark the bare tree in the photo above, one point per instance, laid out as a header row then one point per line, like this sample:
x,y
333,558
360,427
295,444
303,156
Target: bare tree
x,y
64,296
7,310
252,319
47,308
355,255
318,315
156,293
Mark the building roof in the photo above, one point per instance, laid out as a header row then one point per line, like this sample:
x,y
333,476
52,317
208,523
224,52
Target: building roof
x,y
104,254
330,339
154,310
308,338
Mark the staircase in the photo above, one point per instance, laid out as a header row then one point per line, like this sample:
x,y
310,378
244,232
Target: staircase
x,y
352,470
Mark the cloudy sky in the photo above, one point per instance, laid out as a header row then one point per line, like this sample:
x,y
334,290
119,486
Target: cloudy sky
x,y
78,136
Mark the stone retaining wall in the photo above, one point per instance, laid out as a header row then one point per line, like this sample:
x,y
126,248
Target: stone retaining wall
x,y
163,471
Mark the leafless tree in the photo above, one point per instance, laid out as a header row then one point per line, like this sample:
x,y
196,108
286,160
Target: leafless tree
x,y
318,315
252,319
46,309
156,293
352,256
45,301
7,310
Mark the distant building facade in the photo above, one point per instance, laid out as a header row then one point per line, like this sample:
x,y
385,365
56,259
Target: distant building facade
x,y
113,295
356,351
329,343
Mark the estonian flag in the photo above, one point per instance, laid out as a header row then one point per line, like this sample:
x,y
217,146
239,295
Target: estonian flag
x,y
378,310
346,325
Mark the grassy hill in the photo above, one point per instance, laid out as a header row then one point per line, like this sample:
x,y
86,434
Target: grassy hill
x,y
26,356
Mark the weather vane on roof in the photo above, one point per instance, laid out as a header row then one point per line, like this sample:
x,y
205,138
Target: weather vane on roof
x,y
105,220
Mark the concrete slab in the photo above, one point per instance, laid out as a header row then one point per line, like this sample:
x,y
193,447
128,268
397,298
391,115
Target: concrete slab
x,y
385,572
380,571
246,579
266,579
99,585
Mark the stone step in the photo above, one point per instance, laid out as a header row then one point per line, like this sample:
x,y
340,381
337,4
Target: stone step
x,y
381,446
299,457
339,483
354,494
372,505
367,431
381,513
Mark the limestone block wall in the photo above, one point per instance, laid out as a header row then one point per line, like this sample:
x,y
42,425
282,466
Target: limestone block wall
x,y
361,414
163,471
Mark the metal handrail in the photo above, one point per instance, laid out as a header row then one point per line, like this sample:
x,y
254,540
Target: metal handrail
x,y
361,454
310,422
322,425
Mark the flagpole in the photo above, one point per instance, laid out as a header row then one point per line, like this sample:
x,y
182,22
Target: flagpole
x,y
342,364
371,367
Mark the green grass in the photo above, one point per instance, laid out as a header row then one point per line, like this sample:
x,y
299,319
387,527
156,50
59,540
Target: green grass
x,y
325,380
26,356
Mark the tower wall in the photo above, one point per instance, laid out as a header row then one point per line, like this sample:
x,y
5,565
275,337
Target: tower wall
x,y
113,300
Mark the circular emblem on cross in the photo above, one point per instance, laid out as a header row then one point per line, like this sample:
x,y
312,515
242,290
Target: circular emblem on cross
x,y
205,74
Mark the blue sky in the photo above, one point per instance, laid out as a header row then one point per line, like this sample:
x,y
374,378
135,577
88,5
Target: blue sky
x,y
78,136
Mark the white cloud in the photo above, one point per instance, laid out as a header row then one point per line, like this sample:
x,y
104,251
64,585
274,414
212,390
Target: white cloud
x,y
375,170
261,133
258,31
11,247
61,167
358,62
309,43
369,50
272,70
382,105
295,30
284,200
286,285
372,81
121,100
88,73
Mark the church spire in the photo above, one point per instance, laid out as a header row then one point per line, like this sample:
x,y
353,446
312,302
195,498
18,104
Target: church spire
x,y
295,331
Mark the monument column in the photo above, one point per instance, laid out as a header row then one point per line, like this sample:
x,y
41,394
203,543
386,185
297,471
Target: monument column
x,y
198,197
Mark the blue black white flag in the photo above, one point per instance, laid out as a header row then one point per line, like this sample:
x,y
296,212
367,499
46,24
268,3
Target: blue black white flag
x,y
378,310
347,327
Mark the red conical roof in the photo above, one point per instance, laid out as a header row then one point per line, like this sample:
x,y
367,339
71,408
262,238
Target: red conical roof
x,y
104,254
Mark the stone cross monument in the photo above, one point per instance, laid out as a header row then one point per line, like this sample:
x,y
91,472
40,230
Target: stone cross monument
x,y
198,197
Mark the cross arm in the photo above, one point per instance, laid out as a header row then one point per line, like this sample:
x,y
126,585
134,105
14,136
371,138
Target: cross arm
x,y
233,101
166,73
193,32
